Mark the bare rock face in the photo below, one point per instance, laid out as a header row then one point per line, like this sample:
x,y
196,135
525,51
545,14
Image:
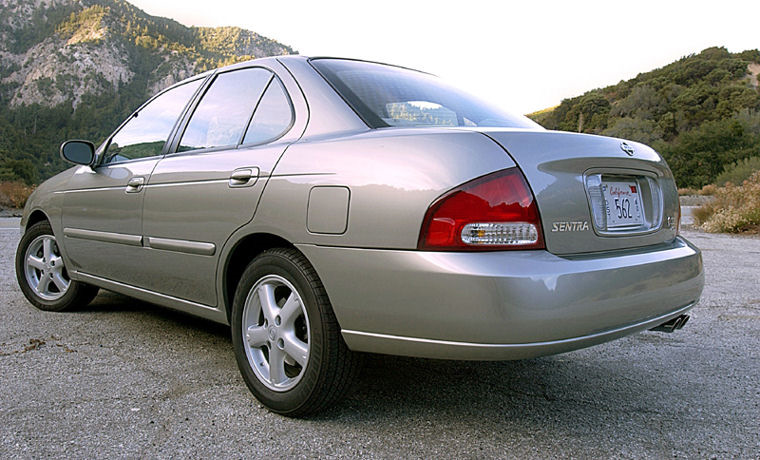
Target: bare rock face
x,y
53,72
57,51
174,69
19,13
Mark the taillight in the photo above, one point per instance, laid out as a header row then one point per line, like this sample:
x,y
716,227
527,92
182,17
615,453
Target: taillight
x,y
493,212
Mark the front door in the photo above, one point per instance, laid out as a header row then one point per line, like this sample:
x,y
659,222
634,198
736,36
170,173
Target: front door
x,y
102,207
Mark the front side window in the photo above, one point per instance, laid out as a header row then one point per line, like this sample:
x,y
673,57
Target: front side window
x,y
272,117
145,134
225,110
386,96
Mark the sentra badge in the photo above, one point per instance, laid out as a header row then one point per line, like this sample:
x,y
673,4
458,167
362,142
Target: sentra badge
x,y
570,226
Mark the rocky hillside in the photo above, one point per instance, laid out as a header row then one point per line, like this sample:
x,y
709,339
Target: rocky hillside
x,y
75,68
701,112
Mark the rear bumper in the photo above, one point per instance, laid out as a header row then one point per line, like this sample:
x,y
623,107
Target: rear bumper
x,y
427,348
503,305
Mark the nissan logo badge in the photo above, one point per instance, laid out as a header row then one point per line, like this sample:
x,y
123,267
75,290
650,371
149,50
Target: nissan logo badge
x,y
627,149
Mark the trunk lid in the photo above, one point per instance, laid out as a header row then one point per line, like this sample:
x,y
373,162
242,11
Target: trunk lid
x,y
594,193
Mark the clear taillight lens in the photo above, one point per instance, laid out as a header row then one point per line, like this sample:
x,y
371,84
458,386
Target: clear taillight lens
x,y
494,212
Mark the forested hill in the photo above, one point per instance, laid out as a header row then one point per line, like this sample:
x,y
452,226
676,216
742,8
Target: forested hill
x,y
701,112
76,68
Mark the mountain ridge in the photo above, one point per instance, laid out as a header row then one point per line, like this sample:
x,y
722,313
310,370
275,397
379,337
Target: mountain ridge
x,y
76,68
60,50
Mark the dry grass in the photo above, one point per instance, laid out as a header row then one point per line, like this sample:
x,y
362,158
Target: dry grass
x,y
14,194
736,208
707,190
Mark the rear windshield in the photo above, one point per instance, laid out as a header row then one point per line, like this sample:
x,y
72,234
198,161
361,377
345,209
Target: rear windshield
x,y
392,96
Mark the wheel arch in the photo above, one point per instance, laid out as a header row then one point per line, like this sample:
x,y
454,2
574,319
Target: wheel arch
x,y
36,216
241,254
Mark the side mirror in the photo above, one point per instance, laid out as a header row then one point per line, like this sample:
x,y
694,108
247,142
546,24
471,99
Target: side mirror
x,y
78,152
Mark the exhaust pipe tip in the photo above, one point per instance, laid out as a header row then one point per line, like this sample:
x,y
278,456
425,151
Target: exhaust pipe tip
x,y
672,325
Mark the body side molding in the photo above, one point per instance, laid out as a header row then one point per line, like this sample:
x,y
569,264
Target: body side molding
x,y
190,247
107,237
168,244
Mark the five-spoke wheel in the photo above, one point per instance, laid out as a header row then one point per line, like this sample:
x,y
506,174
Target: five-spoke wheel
x,y
276,328
44,268
42,275
286,338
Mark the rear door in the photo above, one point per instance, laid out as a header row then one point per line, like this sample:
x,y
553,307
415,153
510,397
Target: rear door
x,y
102,209
210,186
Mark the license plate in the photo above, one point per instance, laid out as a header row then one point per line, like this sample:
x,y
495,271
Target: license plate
x,y
622,203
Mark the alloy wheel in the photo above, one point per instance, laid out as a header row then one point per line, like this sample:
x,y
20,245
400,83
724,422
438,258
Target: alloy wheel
x,y
44,268
276,334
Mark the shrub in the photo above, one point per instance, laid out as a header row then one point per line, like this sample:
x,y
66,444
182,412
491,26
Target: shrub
x,y
14,194
738,171
703,213
736,208
699,155
18,170
708,190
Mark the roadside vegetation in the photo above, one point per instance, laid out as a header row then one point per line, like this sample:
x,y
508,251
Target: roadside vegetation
x,y
732,204
739,171
14,194
707,190
734,209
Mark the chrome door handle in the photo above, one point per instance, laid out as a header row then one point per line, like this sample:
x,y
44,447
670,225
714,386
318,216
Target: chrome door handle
x,y
135,184
241,175
244,177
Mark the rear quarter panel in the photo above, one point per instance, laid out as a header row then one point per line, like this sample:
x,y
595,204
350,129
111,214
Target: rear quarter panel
x,y
392,175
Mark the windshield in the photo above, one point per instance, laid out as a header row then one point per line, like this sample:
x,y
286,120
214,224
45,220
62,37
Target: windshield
x,y
385,96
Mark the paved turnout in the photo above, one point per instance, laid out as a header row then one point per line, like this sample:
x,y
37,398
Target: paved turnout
x,y
123,378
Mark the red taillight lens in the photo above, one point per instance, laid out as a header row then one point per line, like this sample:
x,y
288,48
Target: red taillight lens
x,y
494,212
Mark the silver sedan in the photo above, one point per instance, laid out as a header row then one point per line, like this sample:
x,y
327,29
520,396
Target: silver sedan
x,y
326,207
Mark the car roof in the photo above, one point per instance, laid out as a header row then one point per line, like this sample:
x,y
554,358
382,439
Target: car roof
x,y
284,58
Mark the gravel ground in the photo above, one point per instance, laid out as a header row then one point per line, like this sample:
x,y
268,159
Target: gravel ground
x,y
122,378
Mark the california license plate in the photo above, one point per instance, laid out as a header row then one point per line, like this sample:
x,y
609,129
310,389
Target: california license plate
x,y
622,203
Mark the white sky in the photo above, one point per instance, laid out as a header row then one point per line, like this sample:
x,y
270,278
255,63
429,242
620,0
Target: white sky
x,y
525,55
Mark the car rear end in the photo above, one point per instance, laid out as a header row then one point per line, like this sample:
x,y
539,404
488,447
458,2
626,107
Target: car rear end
x,y
573,241
530,260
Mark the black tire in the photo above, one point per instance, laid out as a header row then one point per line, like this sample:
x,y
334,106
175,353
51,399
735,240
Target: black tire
x,y
331,367
76,295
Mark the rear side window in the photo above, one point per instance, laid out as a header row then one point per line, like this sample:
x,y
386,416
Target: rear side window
x,y
273,115
386,96
145,134
225,110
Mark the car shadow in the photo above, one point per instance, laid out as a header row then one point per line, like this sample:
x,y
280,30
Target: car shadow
x,y
401,390
112,302
573,396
